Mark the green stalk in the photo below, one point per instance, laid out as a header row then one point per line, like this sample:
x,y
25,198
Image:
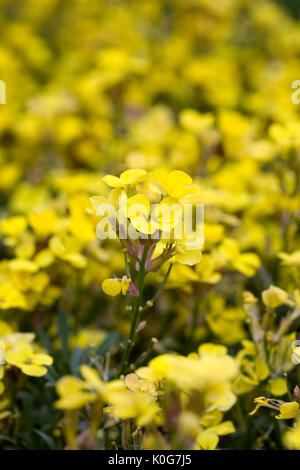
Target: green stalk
x,y
136,313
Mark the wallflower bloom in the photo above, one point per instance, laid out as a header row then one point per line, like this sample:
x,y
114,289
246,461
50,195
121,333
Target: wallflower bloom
x,y
210,375
127,404
144,222
260,401
176,184
292,259
274,296
127,178
288,410
73,393
207,440
291,437
28,361
246,263
135,384
278,387
115,286
11,297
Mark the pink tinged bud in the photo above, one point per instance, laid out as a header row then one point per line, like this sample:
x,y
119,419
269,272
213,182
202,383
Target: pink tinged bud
x,y
156,263
132,290
149,257
126,242
140,256
150,239
132,249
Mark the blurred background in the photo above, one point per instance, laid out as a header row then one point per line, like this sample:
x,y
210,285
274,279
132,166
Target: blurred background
x,y
100,84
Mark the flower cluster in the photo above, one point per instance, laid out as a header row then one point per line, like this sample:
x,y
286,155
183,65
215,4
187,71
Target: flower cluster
x,y
186,393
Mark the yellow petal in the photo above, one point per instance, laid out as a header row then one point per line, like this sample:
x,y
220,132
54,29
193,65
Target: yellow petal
x,y
42,359
288,410
34,370
133,176
76,401
111,287
260,401
207,440
177,182
274,296
277,387
224,428
91,376
113,181
132,382
138,205
125,283
141,225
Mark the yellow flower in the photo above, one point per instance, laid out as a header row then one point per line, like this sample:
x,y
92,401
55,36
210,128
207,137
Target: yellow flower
x,y
291,437
296,354
214,349
13,226
211,418
249,298
73,394
167,214
127,178
67,248
207,440
246,263
43,223
274,296
115,286
23,265
11,297
260,401
222,429
135,384
193,121
137,209
292,259
176,183
96,202
189,249
87,337
139,405
28,361
207,269
253,372
209,375
277,387
92,379
288,410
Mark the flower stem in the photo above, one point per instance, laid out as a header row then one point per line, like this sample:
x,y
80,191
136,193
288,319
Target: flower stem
x,y
150,303
136,313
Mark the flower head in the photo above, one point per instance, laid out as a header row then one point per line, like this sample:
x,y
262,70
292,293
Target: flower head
x,y
30,363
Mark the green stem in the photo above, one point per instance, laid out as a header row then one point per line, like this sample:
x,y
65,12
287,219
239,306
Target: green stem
x,y
136,313
150,303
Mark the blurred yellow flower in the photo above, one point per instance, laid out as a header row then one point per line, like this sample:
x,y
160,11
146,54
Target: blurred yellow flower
x,y
28,361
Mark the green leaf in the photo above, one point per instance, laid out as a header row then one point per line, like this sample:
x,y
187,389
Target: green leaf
x,y
46,341
63,332
75,360
3,437
47,439
108,344
27,400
